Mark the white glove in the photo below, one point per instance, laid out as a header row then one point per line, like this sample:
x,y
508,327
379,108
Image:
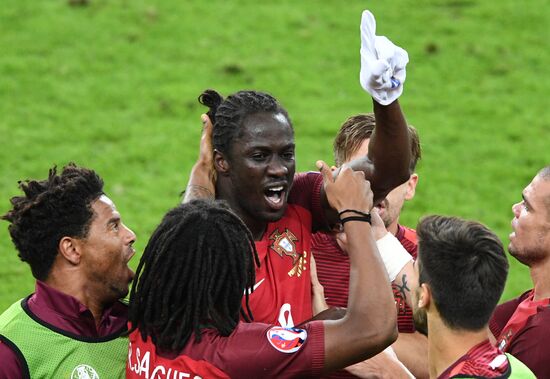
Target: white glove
x,y
382,63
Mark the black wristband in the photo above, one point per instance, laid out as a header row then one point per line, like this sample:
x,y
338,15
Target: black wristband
x,y
365,218
354,211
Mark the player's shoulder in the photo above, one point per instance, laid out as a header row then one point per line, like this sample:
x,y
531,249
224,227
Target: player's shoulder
x,y
408,233
297,212
307,179
542,319
515,301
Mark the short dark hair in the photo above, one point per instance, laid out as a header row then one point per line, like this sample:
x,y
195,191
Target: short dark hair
x,y
358,128
228,115
193,272
465,265
50,209
544,173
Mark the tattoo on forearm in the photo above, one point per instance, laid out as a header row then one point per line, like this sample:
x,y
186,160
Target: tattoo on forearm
x,y
403,288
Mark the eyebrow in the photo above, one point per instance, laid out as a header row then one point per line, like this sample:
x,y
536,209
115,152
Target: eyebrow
x,y
268,144
113,220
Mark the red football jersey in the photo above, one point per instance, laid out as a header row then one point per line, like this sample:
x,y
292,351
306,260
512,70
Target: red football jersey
x,y
252,350
521,328
282,292
333,273
407,238
481,361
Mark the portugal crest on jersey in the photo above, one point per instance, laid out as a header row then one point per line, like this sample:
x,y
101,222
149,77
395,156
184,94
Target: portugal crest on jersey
x,y
284,244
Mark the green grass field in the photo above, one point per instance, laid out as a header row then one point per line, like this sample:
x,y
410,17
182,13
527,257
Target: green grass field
x,y
113,86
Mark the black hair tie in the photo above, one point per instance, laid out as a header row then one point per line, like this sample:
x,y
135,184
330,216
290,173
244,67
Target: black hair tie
x,y
363,217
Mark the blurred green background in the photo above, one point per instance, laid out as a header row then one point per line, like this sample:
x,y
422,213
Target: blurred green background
x,y
112,85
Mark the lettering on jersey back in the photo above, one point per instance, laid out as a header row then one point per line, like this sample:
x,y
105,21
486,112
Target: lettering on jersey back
x,y
142,366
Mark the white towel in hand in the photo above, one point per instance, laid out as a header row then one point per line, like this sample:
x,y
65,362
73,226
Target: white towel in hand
x,y
382,63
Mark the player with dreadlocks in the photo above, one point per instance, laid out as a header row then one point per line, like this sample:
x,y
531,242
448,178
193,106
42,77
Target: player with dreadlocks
x,y
186,298
252,153
176,292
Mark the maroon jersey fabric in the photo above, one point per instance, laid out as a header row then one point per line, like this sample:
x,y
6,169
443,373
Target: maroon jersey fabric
x,y
282,292
481,361
306,192
408,239
522,328
64,312
405,323
252,350
333,273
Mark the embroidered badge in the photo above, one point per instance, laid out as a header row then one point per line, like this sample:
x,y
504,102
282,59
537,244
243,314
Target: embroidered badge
x,y
84,372
504,340
286,340
284,244
299,266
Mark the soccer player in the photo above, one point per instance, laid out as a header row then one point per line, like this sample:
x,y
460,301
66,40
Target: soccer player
x,y
332,263
186,300
253,158
461,268
71,235
522,325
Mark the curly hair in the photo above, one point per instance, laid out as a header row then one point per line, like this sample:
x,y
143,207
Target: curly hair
x,y
49,210
228,115
193,273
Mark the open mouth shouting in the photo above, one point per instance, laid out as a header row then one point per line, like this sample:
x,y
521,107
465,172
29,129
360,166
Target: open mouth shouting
x,y
131,252
275,196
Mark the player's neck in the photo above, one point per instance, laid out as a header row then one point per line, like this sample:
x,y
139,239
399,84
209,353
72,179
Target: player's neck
x,y
256,227
71,282
541,280
224,192
392,228
446,346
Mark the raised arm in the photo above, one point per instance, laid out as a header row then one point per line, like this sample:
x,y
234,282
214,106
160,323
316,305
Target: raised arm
x,y
382,75
203,175
369,325
389,150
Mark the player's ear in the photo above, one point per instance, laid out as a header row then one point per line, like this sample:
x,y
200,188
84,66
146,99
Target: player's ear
x,y
411,186
70,249
221,164
424,296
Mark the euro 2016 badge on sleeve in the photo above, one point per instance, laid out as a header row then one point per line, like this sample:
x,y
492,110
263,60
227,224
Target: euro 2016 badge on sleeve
x,y
286,340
